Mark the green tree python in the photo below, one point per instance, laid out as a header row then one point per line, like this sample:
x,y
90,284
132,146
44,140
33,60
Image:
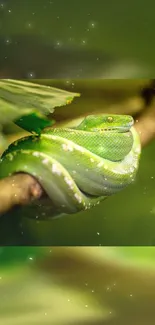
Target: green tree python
x,y
78,167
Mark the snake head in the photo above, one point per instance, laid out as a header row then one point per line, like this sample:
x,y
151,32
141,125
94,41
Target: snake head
x,y
106,122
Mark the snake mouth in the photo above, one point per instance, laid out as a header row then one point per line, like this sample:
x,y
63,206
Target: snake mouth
x,y
119,129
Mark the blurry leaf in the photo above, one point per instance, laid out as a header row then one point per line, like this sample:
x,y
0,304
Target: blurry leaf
x,y
22,98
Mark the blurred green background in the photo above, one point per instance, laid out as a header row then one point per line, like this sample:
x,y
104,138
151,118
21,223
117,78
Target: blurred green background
x,y
61,286
124,31
125,28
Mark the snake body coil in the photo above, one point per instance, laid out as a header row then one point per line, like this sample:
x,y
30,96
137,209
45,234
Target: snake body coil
x,y
78,167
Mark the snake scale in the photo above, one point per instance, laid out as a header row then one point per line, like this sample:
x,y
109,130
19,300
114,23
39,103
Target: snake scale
x,y
78,167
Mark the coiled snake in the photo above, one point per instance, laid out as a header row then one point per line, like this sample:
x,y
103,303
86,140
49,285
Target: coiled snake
x,y
78,167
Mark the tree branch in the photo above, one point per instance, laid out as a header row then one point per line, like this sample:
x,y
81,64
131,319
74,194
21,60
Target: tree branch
x,y
19,189
146,125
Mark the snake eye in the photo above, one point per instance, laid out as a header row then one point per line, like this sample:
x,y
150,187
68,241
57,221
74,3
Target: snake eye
x,y
110,119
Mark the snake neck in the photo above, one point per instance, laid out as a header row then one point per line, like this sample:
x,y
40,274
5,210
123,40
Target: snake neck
x,y
109,145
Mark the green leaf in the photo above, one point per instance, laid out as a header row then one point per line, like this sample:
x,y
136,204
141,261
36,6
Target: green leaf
x,y
28,103
34,122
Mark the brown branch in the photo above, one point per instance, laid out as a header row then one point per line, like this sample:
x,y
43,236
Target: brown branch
x,y
146,125
19,189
